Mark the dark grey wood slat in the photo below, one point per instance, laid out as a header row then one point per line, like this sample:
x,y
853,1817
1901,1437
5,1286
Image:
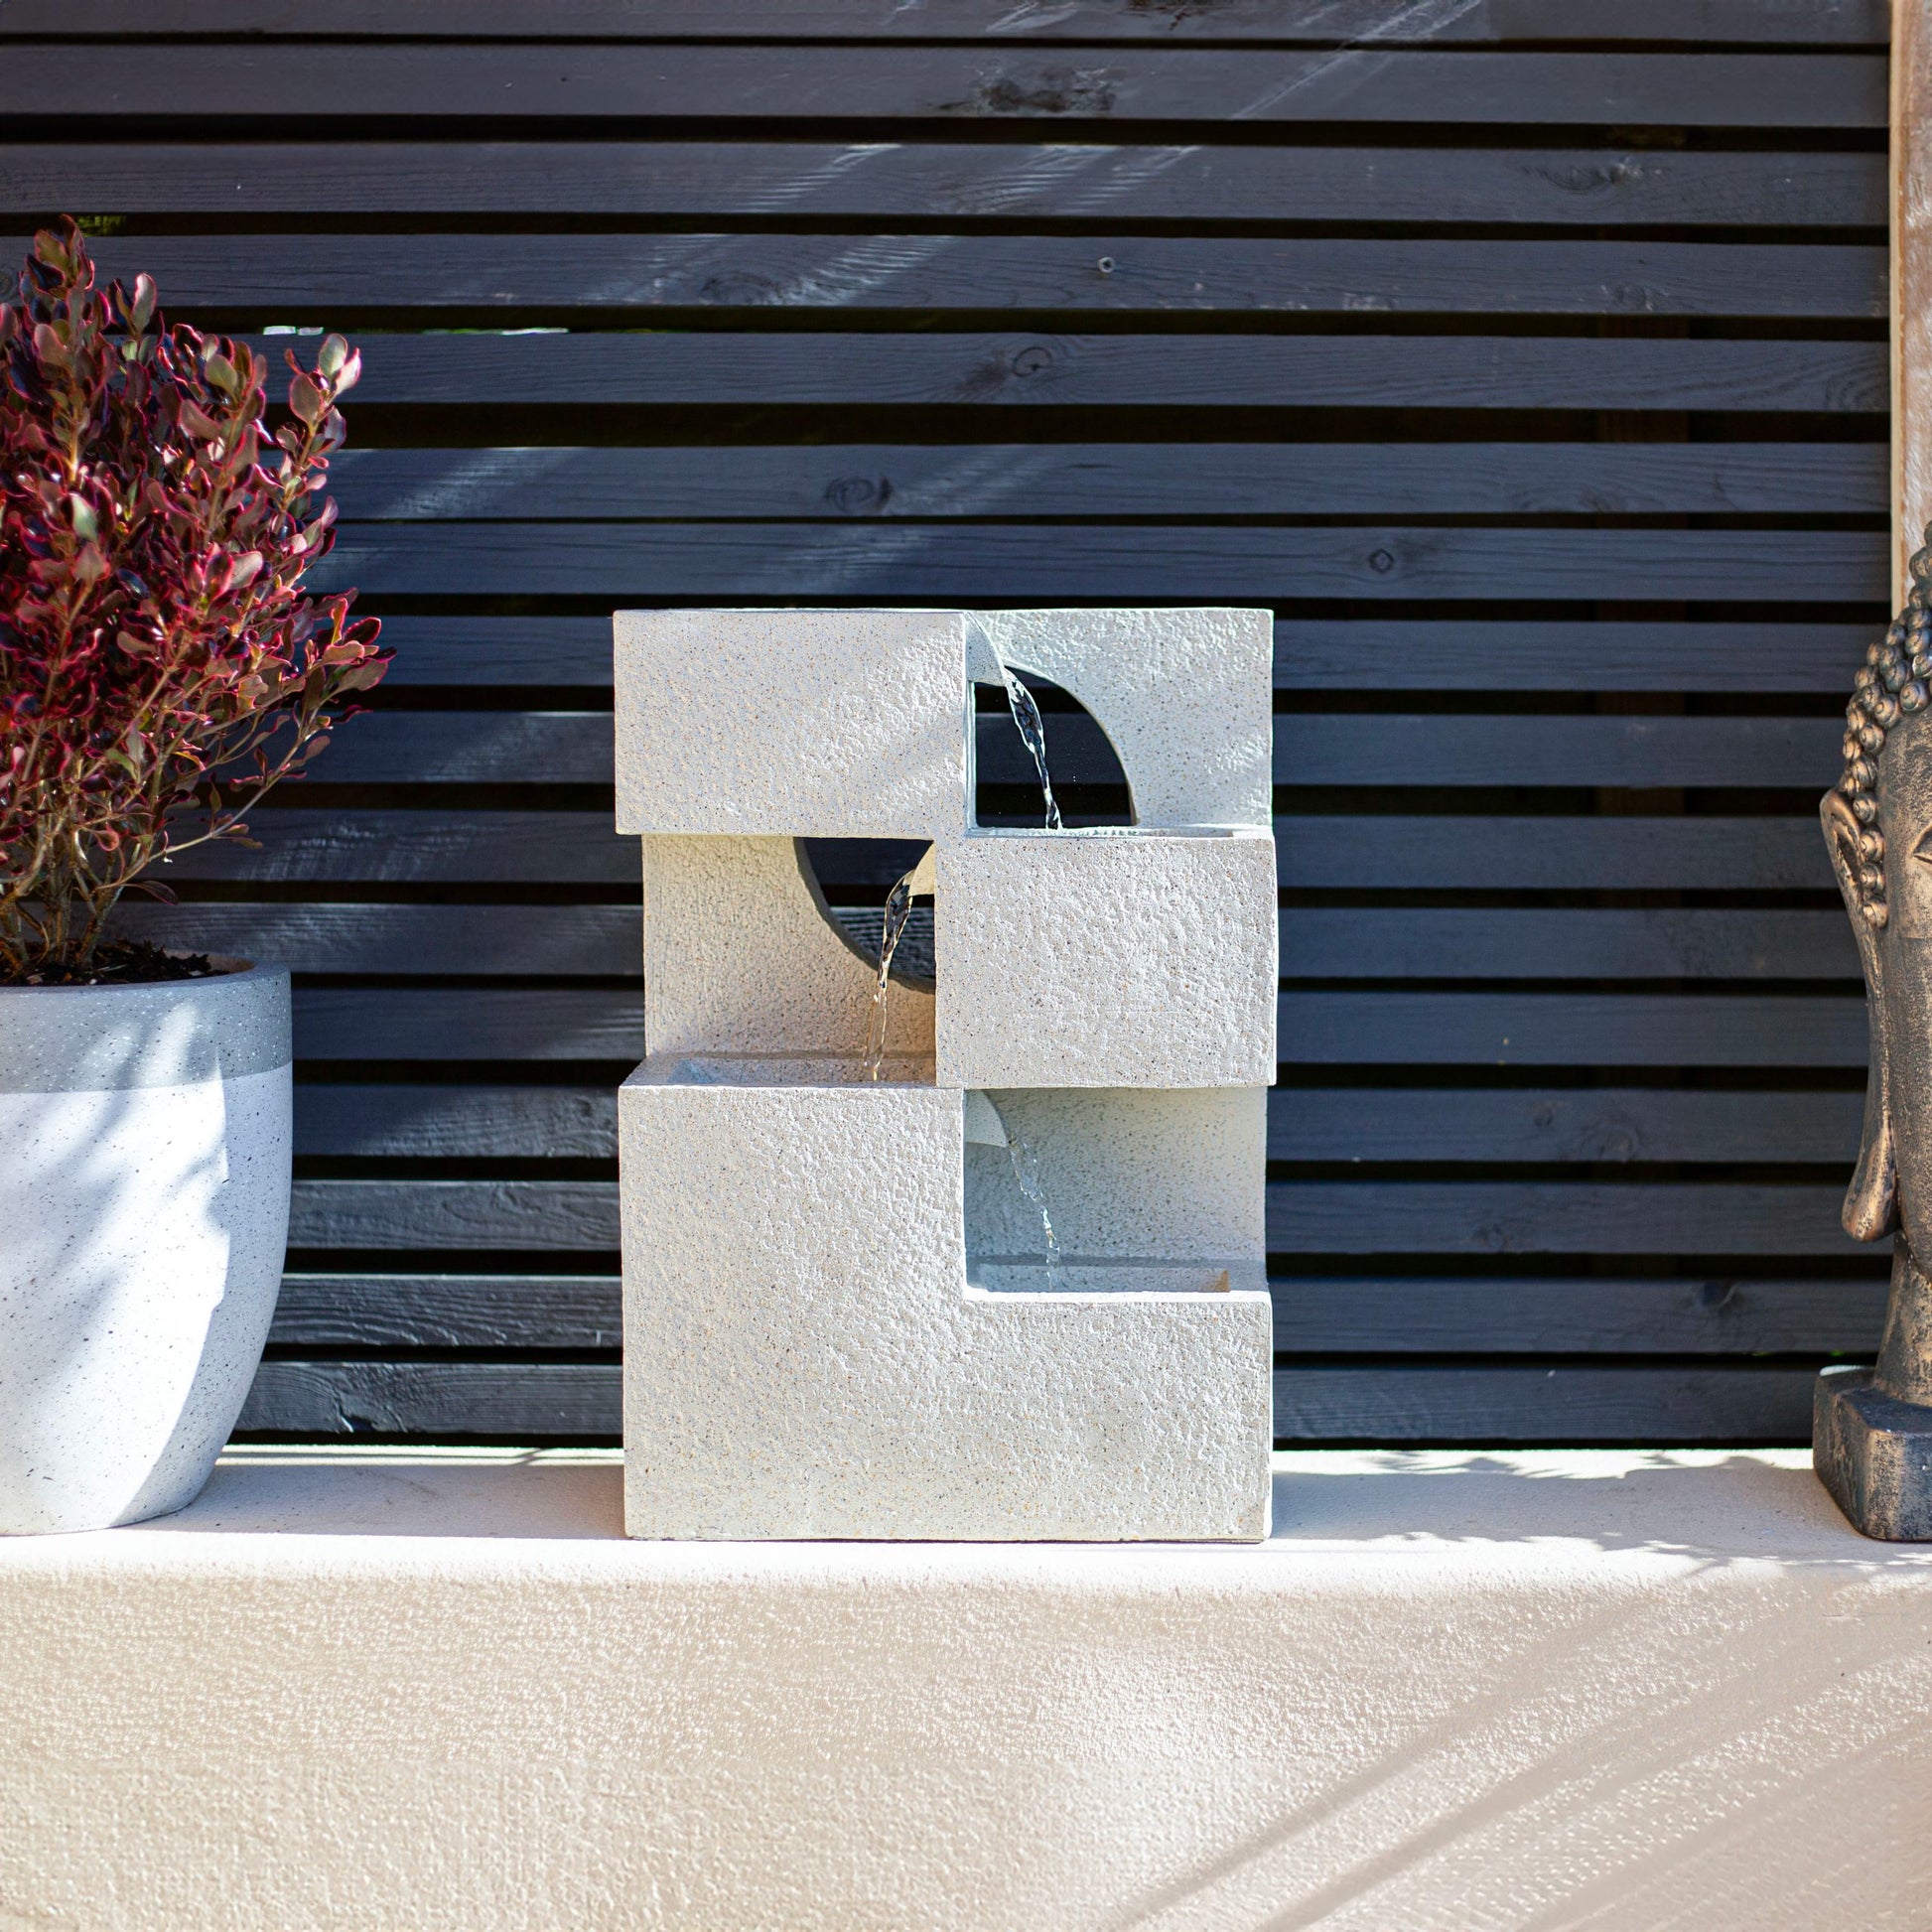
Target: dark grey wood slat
x,y
1567,1405
984,83
1316,1217
444,847
1153,563
1317,942
938,180
1310,654
1436,654
1353,852
1502,1126
587,940
1454,853
1089,481
1555,1217
322,1399
1342,1315
1516,942
400,1023
1314,749
1571,1030
519,1216
1575,1315
444,1400
917,273
1498,1126
505,1312
379,1120
1310,749
1315,22
1045,369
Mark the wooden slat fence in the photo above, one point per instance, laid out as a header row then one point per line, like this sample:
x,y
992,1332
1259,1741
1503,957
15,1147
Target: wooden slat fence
x,y
1527,358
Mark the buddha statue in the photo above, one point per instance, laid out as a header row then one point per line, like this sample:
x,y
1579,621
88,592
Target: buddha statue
x,y
1872,1427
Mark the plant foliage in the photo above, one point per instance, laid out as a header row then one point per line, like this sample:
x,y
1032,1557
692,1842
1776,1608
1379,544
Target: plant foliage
x,y
160,668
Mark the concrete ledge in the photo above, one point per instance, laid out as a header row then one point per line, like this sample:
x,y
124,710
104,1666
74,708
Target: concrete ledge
x,y
395,1690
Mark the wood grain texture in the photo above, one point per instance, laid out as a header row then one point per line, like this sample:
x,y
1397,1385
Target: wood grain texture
x,y
1502,1126
1555,1217
1829,23
469,1023
1601,1126
580,1312
1314,1315
450,846
1016,480
399,1121
1454,853
1437,654
602,941
1105,271
452,1401
1564,1404
444,1401
1053,369
1655,1030
933,181
394,747
1434,942
1310,654
1574,1314
1166,563
455,1216
43,87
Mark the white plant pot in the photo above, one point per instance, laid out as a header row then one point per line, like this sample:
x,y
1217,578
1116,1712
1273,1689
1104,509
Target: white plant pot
x,y
144,1207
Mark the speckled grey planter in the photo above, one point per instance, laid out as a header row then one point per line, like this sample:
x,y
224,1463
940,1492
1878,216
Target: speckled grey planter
x,y
144,1207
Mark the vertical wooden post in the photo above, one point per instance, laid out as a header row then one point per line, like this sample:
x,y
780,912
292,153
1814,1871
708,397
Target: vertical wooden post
x,y
1911,283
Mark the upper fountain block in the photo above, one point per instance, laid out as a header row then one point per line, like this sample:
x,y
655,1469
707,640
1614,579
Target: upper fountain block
x,y
817,724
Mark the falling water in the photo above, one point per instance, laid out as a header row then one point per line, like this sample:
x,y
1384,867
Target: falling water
x,y
898,909
1026,713
1025,1171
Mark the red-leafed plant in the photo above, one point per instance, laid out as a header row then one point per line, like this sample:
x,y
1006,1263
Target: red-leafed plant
x,y
160,668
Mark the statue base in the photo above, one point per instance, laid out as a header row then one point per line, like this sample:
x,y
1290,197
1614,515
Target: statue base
x,y
1874,1454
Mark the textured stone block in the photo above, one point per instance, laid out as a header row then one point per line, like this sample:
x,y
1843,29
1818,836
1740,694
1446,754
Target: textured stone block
x,y
805,1354
1069,960
820,724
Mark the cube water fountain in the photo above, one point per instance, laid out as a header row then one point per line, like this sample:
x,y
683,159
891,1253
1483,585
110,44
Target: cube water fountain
x,y
996,1272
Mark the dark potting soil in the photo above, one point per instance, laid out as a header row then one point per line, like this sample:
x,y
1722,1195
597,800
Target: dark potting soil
x,y
124,962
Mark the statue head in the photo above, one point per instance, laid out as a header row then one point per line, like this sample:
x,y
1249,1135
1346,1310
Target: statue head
x,y
1879,828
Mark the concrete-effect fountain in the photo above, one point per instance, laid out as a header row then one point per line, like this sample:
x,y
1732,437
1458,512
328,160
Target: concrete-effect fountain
x,y
984,1262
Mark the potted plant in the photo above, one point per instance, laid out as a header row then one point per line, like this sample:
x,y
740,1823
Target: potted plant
x,y
160,670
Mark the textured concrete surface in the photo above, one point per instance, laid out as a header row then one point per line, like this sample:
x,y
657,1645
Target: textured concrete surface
x,y
740,957
145,1138
1086,960
1622,1692
804,1356
1186,697
821,723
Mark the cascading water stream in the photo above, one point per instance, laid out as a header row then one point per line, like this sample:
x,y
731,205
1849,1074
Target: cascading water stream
x,y
898,909
1025,1171
1026,715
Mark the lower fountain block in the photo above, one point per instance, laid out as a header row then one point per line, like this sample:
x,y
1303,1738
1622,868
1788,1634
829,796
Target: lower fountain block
x,y
1116,958
804,1356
